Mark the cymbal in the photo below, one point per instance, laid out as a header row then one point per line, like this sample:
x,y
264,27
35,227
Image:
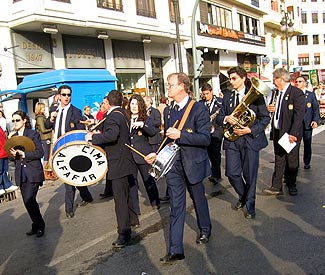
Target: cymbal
x,y
21,143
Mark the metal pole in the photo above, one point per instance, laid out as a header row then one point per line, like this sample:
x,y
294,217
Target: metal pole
x,y
178,40
287,42
193,39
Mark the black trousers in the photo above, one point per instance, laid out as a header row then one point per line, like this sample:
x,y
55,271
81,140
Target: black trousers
x,y
307,138
214,152
70,194
29,191
124,210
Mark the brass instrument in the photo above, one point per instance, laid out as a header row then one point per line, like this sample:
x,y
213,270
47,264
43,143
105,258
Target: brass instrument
x,y
212,117
245,115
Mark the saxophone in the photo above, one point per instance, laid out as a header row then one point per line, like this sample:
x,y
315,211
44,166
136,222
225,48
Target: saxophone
x,y
212,117
48,166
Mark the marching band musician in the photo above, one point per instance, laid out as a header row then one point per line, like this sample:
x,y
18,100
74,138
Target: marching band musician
x,y
213,103
29,174
141,130
114,136
62,120
242,155
190,168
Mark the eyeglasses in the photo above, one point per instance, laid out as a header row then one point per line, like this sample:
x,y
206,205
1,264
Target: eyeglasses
x,y
233,78
171,85
16,120
299,81
65,95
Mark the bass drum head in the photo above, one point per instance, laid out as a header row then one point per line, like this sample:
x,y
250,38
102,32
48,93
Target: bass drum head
x,y
80,163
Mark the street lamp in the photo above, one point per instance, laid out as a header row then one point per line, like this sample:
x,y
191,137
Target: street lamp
x,y
287,27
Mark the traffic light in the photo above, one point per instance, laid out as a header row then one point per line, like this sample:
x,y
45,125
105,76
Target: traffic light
x,y
199,65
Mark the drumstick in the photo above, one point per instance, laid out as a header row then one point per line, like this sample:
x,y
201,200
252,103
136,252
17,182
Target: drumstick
x,y
161,145
135,150
96,125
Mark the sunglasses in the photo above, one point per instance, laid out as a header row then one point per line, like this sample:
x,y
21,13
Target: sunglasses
x,y
299,81
66,95
233,78
16,120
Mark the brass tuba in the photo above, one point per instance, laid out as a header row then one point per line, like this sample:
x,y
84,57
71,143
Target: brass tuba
x,y
245,115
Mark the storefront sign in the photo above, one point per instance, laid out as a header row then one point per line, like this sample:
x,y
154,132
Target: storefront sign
x,y
84,52
228,34
32,51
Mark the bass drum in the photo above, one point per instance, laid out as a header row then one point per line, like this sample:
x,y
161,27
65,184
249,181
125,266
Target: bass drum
x,y
77,162
164,161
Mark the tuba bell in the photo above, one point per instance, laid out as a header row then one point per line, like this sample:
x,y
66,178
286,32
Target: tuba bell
x,y
245,115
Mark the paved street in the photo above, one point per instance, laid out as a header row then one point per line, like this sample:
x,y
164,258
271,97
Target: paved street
x,y
287,237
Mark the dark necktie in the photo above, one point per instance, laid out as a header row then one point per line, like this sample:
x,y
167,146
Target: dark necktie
x,y
237,99
278,107
209,105
176,107
60,124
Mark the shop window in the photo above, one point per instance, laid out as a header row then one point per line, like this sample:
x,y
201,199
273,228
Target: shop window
x,y
146,8
131,83
110,4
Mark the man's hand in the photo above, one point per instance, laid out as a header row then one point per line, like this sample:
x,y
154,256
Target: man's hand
x,y
18,152
231,120
173,133
242,130
53,116
313,124
292,139
271,108
150,158
137,124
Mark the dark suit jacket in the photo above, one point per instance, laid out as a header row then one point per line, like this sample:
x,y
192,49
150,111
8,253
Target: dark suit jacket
x,y
257,139
115,135
140,140
156,122
292,113
72,121
31,164
218,130
311,111
195,137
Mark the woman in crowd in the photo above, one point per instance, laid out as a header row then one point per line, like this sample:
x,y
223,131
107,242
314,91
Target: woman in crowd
x,y
5,184
46,139
3,121
88,118
102,112
141,128
29,172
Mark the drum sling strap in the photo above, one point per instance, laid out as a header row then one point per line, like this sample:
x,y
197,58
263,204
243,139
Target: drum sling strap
x,y
187,112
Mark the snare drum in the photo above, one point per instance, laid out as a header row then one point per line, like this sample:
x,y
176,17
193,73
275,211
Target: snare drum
x,y
164,161
77,162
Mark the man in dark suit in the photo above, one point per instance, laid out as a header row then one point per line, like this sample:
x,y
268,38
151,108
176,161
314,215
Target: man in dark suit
x,y
242,154
287,117
64,119
155,116
114,136
191,165
213,103
311,119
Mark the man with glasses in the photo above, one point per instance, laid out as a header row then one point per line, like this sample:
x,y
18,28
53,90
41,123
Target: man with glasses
x,y
62,120
242,154
289,111
190,168
311,119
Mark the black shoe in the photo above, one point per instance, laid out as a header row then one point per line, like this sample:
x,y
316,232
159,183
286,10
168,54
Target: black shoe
x,y
164,199
39,233
292,190
106,195
307,166
203,239
31,232
273,191
84,203
169,259
239,205
250,216
69,215
214,180
120,243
